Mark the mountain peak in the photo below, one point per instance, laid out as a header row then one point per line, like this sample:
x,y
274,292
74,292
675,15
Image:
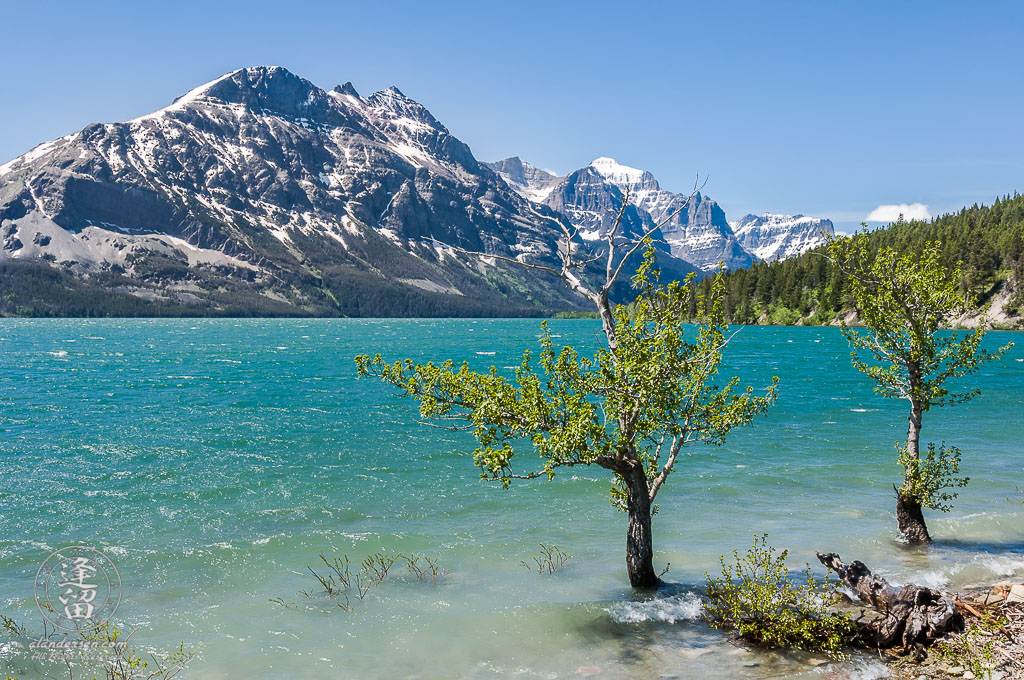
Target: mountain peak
x,y
262,87
616,172
348,88
393,103
268,90
528,181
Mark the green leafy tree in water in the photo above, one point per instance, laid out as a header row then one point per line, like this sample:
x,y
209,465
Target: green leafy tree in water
x,y
630,408
904,301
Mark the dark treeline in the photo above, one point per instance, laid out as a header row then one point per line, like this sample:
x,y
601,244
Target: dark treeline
x,y
988,241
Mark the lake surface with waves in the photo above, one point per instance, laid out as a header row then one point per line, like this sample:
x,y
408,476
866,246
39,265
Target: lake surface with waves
x,y
214,460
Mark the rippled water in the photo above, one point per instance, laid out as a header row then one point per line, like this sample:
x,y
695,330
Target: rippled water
x,y
214,460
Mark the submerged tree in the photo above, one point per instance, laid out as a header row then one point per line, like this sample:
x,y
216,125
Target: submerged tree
x,y
904,301
629,409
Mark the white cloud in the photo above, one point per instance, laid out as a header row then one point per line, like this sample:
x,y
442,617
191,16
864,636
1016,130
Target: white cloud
x,y
891,213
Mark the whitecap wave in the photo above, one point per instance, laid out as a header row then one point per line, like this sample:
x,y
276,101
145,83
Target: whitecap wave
x,y
932,579
116,550
1001,565
685,607
266,539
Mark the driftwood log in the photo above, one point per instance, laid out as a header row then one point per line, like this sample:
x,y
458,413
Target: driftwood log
x,y
912,616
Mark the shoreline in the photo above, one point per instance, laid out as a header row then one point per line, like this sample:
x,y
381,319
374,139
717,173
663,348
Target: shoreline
x,y
995,640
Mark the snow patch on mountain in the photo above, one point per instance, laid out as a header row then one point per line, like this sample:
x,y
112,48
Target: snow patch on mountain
x,y
36,152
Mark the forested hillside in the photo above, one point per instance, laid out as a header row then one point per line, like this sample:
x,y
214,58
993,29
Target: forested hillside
x,y
32,289
987,240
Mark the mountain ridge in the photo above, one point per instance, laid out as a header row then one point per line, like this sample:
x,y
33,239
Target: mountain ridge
x,y
260,192
260,186
694,227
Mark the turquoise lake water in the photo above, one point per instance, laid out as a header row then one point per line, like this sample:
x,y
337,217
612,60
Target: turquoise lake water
x,y
213,460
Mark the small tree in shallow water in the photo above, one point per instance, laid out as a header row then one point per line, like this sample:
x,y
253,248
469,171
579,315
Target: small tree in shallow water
x,y
904,301
629,409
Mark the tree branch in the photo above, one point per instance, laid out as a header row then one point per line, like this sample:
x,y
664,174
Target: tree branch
x,y
677,444
612,278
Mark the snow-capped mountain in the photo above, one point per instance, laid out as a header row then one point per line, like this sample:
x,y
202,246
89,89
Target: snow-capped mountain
x,y
590,197
261,193
695,231
777,237
698,233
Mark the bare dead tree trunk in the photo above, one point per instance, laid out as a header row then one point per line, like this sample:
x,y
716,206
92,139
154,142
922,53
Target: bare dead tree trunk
x,y
909,514
604,308
912,616
640,536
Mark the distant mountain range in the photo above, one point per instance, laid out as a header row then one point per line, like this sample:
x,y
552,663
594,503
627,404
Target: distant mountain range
x,y
260,193
591,197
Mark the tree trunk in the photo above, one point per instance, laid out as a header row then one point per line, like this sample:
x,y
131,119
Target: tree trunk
x,y
640,537
911,519
910,616
909,515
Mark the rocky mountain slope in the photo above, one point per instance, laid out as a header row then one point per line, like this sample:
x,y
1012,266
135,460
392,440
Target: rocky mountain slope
x,y
260,193
699,233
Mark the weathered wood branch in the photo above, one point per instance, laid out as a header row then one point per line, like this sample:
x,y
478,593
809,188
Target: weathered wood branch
x,y
911,615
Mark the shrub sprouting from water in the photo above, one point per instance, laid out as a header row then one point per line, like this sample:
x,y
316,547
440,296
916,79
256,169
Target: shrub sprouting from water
x,y
760,601
550,559
107,653
336,579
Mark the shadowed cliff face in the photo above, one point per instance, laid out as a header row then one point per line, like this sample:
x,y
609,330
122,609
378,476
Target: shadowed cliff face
x,y
262,183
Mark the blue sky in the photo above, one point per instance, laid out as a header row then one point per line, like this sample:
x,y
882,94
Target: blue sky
x,y
825,108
